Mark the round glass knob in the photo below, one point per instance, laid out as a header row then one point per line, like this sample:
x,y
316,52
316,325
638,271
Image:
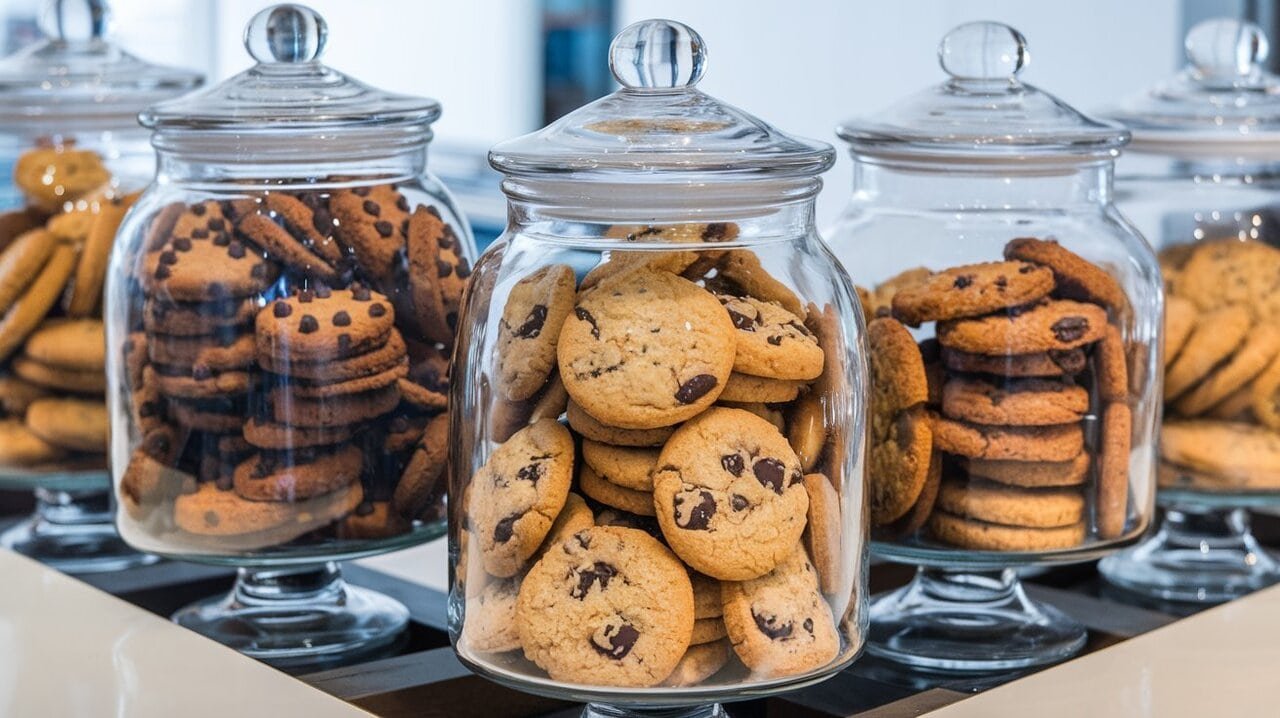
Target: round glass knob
x,y
657,55
1226,48
286,33
75,20
983,51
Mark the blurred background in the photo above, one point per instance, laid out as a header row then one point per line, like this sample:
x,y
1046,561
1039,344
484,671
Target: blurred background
x,y
506,67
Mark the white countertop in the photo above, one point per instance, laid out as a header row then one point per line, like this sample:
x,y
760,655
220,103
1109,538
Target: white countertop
x,y
69,650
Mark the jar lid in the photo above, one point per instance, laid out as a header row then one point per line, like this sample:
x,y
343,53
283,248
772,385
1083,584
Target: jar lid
x,y
1224,96
77,74
289,89
659,122
982,111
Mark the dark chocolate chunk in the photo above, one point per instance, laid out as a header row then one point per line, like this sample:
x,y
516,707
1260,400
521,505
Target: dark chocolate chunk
x,y
695,388
771,626
738,502
360,293
698,516
505,528
308,324
1070,329
341,319
377,310
532,326
282,310
964,280
182,244
742,321
600,572
770,473
371,207
621,640
584,315
385,229
532,473
733,463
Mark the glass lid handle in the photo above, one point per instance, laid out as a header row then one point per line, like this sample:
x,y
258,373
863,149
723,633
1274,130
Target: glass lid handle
x,y
75,20
983,52
1226,50
657,55
286,33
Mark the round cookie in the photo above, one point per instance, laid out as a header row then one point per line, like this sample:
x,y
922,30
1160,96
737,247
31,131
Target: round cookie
x,y
1180,317
706,596
452,271
822,531
302,474
707,630
985,536
900,440
85,292
1265,396
1010,506
590,428
574,517
779,624
240,524
52,176
339,410
384,358
740,273
882,296
1111,366
1113,470
203,270
517,494
1215,337
1031,474
16,394
1228,272
748,389
491,618
220,352
75,424
645,349
372,520
771,341
186,319
549,403
324,324
1047,326
531,321
372,382
807,431
286,249
17,222
1236,453
190,384
1259,348
611,607
629,500
372,222
26,313
306,216
897,378
1076,278
69,343
919,513
729,495
422,249
218,414
1042,364
1014,402
971,290
20,446
83,381
266,434
627,467
22,261
420,481
1017,443
699,663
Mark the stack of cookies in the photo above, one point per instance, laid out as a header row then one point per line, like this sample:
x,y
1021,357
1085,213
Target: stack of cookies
x,y
1222,366
1010,428
288,368
706,537
53,263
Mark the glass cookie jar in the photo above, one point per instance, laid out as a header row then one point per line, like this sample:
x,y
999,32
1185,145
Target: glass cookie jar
x,y
1201,180
279,330
72,158
656,490
1014,354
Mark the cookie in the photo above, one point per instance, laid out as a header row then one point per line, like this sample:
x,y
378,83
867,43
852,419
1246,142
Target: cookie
x,y
1180,317
1237,406
882,296
298,475
384,358
574,517
771,341
822,531
549,403
935,373
971,290
85,293
531,321
1235,453
1041,364
760,409
372,520
807,431
290,251
779,624
422,250
148,483
491,618
1216,336
1229,272
306,216
1259,347
645,350
75,424
629,500
324,324
1111,367
203,270
240,524
1014,402
52,176
1265,396
707,630
69,344
21,263
1031,474
219,414
1113,470
421,480
71,226
186,319
898,465
586,425
363,384
17,222
16,394
610,606
340,410
729,495
266,434
20,446
81,381
745,388
213,353
452,272
372,222
1017,443
699,663
518,493
706,596
1048,326
1076,278
741,273
26,313
624,466
897,376
986,536
922,509
1011,506
185,383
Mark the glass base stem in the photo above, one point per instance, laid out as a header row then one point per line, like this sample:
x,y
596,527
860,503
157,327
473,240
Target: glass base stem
x,y
1199,555
960,621
298,617
600,710
73,532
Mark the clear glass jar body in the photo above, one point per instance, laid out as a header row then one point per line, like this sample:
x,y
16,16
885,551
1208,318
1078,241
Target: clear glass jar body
x,y
283,450
688,253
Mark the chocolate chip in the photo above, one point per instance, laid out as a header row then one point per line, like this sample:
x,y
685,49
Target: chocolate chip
x,y
600,572
775,340
211,519
505,528
308,324
402,204
360,293
1070,329
532,326
1071,361
199,210
344,344
200,233
964,280
222,240
259,271
715,231
431,210
771,474
182,244
162,272
771,626
236,250
446,239
738,502
1026,269
585,316
364,509
698,516
443,268
621,639
371,207
322,221
1002,282
463,269
323,292
733,463
808,625
742,321
341,319
695,388
281,310
168,257
384,228
530,473
306,296
217,224
377,310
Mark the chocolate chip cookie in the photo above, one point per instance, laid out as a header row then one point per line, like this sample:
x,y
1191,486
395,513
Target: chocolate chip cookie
x,y
771,341
1015,402
1076,278
530,326
971,290
1047,326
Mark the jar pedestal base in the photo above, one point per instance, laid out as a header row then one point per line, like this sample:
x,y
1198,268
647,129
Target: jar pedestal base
x,y
298,617
599,710
957,621
73,532
1203,556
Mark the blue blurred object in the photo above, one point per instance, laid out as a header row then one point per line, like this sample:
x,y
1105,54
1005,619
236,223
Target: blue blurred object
x,y
575,35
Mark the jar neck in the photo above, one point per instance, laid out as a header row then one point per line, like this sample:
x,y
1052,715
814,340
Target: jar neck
x,y
972,186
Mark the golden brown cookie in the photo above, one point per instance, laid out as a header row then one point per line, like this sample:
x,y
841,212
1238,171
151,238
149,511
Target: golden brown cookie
x,y
16,394
83,381
535,312
1236,453
609,494
1017,443
918,515
1031,474
1053,325
807,431
52,176
85,292
1111,366
900,440
1259,348
971,290
1229,272
699,663
744,389
574,517
423,475
707,630
882,297
822,532
1215,337
1042,364
1012,506
75,424
26,313
1265,396
240,524
985,536
624,466
22,447
21,263
1113,470
69,344
771,341
1014,402
1179,318
297,475
1076,277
